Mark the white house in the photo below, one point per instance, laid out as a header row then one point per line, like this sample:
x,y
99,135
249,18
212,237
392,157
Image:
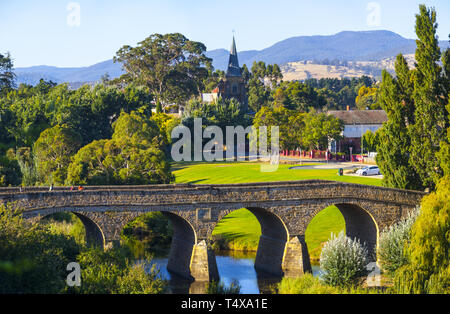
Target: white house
x,y
357,123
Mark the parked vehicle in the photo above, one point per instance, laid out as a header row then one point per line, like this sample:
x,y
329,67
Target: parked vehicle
x,y
369,171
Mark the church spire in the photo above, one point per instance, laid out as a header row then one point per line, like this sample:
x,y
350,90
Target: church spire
x,y
233,64
233,47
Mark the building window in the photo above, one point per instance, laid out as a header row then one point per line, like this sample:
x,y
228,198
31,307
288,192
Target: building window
x,y
234,89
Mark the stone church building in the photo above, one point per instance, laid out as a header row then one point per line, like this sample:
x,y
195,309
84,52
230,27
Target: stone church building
x,y
233,85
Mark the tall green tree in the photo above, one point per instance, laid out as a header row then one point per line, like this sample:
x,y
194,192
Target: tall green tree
x,y
430,96
10,174
367,98
171,66
133,156
413,141
7,75
300,130
53,150
297,96
370,141
444,153
394,148
321,128
258,94
259,91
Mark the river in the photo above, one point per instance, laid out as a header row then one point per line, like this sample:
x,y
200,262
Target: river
x,y
232,266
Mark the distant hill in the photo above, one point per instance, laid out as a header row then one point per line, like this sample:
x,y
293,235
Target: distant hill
x,y
348,46
302,70
367,46
93,73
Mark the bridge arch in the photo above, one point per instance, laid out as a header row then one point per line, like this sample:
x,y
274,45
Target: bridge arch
x,y
184,240
187,258
93,233
360,223
272,241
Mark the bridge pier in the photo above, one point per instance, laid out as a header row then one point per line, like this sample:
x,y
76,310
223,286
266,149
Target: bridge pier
x,y
180,257
269,255
281,258
296,261
278,253
189,258
203,263
191,261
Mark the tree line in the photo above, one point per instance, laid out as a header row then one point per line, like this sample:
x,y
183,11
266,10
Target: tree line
x,y
45,126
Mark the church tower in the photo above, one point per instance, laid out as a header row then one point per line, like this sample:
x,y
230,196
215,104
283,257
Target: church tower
x,y
233,85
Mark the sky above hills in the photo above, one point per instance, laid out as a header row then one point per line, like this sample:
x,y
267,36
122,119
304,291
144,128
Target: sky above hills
x,y
84,32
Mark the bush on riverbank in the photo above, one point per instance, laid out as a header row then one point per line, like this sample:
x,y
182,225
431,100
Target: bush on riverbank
x,y
393,242
343,261
306,284
113,272
33,258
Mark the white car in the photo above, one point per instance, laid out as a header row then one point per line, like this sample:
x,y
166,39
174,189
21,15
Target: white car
x,y
369,171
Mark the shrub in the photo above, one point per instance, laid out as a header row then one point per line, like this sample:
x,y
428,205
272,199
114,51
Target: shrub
x,y
10,174
113,272
343,261
138,281
392,243
33,259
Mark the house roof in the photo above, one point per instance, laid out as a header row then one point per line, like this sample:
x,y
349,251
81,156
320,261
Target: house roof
x,y
360,116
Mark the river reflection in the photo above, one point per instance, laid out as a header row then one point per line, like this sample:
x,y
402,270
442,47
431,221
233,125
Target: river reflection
x,y
232,265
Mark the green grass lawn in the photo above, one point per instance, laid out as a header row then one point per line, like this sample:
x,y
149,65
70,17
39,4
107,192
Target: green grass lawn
x,y
326,222
242,172
241,228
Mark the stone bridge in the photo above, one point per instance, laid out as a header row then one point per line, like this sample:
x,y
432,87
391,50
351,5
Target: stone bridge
x,y
283,209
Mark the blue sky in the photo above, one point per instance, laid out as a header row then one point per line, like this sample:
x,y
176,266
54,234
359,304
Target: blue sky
x,y
38,32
